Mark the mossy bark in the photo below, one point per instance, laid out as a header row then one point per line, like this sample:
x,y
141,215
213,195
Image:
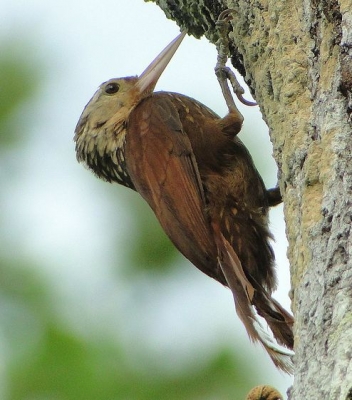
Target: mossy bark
x,y
296,58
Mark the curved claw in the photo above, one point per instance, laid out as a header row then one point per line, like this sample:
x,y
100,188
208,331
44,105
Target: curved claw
x,y
246,102
225,15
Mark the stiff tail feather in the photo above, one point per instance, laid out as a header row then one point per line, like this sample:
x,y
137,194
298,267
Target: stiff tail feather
x,y
245,295
279,320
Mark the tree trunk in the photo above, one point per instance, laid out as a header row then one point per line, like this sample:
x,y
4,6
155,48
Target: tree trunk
x,y
296,58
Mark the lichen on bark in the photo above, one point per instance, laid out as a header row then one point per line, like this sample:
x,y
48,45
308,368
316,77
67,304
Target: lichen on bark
x,y
296,57
197,16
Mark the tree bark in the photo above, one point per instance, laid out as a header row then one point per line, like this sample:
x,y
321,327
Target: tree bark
x,y
296,58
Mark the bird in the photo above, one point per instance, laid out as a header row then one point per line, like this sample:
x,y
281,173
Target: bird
x,y
264,392
201,183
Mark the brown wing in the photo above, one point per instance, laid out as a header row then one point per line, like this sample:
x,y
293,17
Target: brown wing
x,y
163,169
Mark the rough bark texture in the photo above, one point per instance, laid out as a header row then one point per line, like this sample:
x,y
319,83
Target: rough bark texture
x,y
296,59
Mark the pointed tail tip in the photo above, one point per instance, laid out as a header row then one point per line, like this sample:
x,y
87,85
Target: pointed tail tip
x,y
281,357
276,317
283,361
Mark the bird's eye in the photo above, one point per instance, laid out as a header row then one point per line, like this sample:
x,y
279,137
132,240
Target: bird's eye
x,y
112,88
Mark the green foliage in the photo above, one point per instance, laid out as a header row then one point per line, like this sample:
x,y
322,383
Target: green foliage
x,y
62,365
149,248
65,367
18,81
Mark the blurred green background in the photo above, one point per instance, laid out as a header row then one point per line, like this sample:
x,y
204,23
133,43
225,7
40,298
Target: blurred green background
x,y
95,301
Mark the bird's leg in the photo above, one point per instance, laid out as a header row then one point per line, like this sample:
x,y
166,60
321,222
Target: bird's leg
x,y
233,121
224,73
274,196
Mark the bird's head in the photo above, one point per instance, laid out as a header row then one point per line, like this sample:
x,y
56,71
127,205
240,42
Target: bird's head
x,y
101,130
116,98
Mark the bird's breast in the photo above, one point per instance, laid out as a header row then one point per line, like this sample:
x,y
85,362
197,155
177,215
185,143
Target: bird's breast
x,y
102,150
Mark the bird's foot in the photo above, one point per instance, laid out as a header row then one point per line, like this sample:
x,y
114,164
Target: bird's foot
x,y
224,73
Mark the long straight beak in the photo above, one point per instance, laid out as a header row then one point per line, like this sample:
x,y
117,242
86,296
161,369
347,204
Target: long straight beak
x,y
149,77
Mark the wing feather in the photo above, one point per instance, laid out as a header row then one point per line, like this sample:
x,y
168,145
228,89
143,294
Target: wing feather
x,y
163,169
162,166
